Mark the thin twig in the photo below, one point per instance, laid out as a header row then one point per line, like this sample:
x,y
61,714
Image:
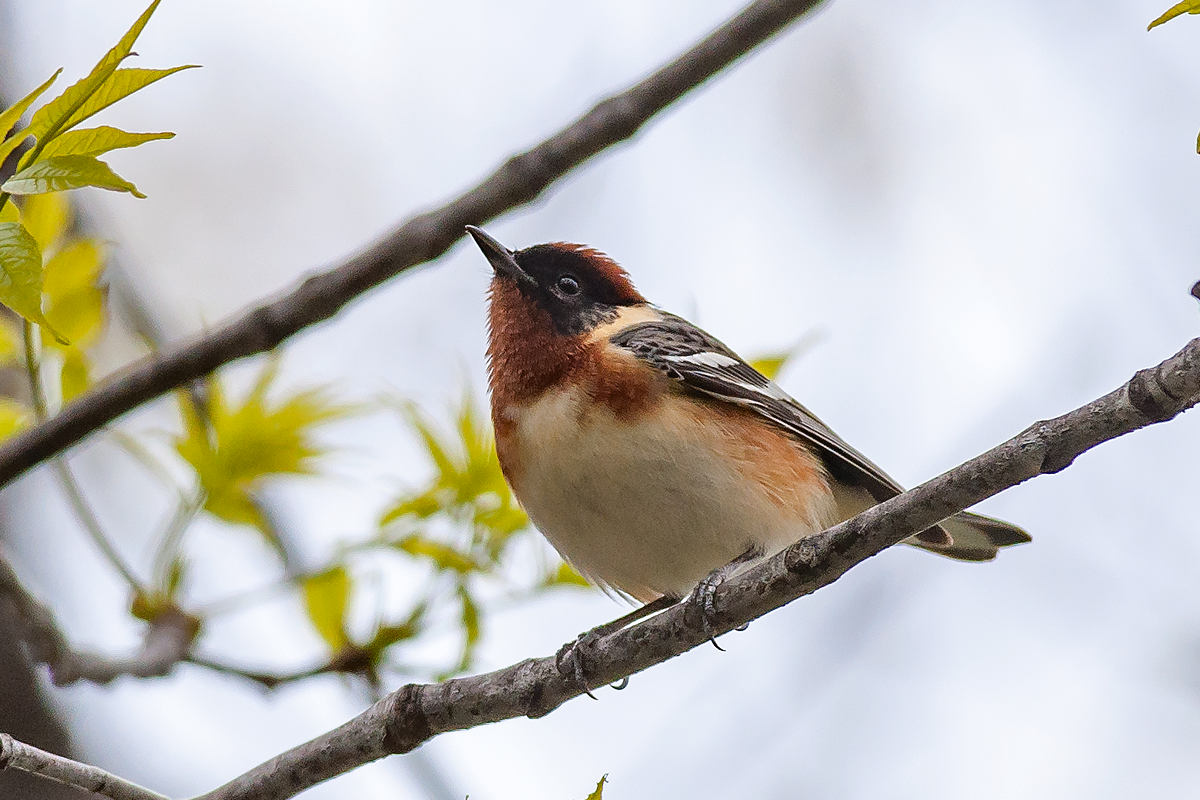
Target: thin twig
x,y
423,238
71,488
416,713
27,758
166,642
171,538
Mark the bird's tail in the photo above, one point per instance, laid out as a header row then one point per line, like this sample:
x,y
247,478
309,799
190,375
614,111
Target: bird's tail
x,y
972,537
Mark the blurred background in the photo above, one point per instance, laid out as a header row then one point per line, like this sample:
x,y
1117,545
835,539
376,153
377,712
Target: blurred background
x,y
986,213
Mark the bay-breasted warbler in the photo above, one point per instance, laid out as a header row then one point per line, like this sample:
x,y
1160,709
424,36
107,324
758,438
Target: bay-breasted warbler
x,y
649,453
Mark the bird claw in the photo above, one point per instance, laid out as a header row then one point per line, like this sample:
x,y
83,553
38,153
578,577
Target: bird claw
x,y
703,596
570,660
702,601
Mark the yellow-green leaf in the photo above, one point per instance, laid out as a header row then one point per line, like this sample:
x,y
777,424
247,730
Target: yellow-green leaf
x,y
74,302
21,272
97,141
771,365
11,345
599,793
437,450
252,442
1186,7
13,417
565,575
326,598
46,217
119,85
76,373
421,506
9,213
64,111
67,172
388,635
175,576
470,623
12,114
502,522
442,555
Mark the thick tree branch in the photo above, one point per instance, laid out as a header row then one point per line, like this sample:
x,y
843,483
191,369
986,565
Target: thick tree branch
x,y
423,238
412,715
416,713
27,758
167,641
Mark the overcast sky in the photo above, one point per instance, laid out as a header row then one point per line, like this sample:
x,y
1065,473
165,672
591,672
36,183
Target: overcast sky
x,y
987,212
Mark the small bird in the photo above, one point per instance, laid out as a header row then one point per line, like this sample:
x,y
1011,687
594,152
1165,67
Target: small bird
x,y
647,452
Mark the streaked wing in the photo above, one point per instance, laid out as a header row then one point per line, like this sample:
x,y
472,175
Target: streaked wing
x,y
702,363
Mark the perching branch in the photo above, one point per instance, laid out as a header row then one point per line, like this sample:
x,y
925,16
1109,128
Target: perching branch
x,y
416,713
423,238
412,715
167,640
27,758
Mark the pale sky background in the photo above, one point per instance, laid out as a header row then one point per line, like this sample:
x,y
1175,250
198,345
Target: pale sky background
x,y
987,211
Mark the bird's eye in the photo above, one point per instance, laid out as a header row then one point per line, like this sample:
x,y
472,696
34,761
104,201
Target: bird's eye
x,y
567,286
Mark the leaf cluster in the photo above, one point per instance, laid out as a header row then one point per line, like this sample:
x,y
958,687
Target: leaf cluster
x,y
461,526
61,156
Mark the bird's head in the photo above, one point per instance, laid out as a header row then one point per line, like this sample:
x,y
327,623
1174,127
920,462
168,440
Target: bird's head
x,y
577,287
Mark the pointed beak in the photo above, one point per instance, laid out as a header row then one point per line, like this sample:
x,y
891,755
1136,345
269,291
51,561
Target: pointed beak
x,y
502,259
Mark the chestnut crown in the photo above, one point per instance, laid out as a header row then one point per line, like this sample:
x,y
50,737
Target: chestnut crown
x,y
577,286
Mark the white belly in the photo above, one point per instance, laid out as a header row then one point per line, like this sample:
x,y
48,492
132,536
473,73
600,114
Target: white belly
x,y
652,510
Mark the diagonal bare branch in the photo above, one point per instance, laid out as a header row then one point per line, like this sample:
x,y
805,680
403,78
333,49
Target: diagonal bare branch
x,y
27,758
416,713
423,238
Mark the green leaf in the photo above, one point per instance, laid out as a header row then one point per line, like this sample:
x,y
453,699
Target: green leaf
x,y
67,172
326,598
46,217
12,115
21,272
599,793
65,110
13,417
97,141
74,301
1186,7
443,556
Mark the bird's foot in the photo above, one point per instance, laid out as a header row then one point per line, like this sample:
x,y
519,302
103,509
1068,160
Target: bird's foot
x,y
703,596
572,657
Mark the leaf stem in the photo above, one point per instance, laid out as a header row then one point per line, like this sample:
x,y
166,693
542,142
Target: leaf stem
x,y
168,547
71,488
